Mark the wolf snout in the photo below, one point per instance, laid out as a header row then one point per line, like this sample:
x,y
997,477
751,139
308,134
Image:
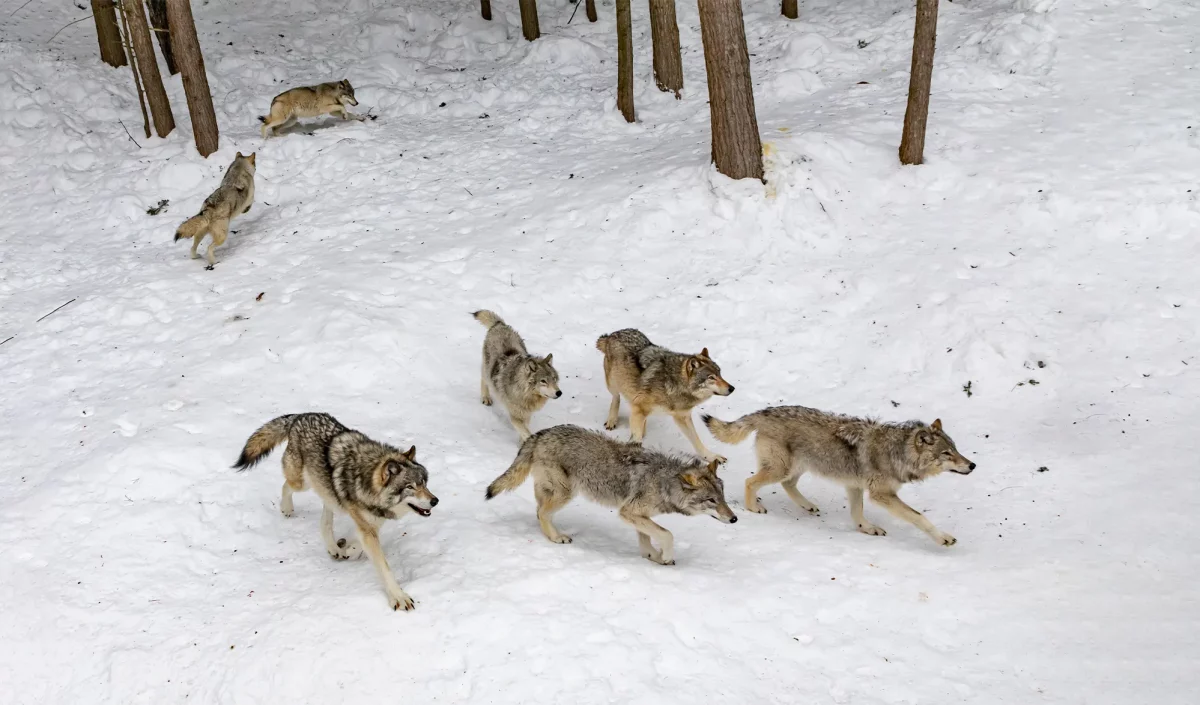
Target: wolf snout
x,y
558,394
733,520
433,502
970,467
728,390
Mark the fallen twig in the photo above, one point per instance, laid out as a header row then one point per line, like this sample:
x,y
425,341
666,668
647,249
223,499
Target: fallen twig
x,y
2,342
131,139
15,12
60,29
55,311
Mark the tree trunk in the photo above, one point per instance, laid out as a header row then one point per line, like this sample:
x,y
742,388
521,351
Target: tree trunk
x,y
790,9
912,143
158,20
147,66
625,61
485,9
137,78
590,8
195,83
529,20
108,32
736,145
668,68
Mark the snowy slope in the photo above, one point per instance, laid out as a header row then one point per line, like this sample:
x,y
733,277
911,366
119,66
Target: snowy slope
x,y
1052,236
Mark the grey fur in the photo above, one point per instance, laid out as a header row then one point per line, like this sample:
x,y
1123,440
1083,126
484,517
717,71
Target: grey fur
x,y
370,481
639,482
652,377
232,198
523,382
860,454
331,98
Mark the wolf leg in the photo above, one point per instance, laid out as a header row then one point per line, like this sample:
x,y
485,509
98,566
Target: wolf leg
x,y
522,426
550,499
368,534
789,486
855,497
220,230
485,394
648,549
614,410
339,549
685,423
645,526
772,468
637,422
900,510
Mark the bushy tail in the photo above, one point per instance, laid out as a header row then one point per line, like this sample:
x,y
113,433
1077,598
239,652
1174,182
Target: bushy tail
x,y
192,227
730,432
602,344
262,441
516,473
487,318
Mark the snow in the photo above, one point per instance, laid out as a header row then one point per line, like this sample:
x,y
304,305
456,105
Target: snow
x,y
1051,236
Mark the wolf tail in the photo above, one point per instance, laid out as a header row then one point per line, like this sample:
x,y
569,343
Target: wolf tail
x,y
487,318
516,473
731,432
262,441
192,227
602,343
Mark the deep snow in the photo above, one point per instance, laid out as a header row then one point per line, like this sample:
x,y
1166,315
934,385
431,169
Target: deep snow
x,y
1052,236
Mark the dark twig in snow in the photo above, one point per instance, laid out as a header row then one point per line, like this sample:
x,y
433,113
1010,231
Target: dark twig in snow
x,y
54,311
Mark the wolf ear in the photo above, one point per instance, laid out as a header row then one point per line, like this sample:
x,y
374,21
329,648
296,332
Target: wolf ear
x,y
936,425
411,453
240,156
924,437
691,365
548,358
713,465
251,156
690,480
531,364
704,352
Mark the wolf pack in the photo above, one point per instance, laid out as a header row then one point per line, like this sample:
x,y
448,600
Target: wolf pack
x,y
373,482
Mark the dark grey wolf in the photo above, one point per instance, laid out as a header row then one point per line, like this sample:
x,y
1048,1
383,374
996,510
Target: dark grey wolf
x,y
640,483
370,481
860,454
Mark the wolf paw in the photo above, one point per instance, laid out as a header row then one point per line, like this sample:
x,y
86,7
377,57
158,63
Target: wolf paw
x,y
812,509
486,401
946,540
655,556
610,425
721,460
210,267
871,530
662,561
401,601
756,507
562,538
287,511
345,550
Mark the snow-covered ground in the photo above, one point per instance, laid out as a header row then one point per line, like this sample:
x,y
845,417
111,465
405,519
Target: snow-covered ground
x,y
1045,256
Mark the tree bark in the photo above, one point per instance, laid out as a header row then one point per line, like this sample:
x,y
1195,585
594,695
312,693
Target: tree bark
x,y
485,9
790,9
147,66
137,78
912,142
195,83
625,61
158,20
529,20
104,14
590,8
736,145
668,67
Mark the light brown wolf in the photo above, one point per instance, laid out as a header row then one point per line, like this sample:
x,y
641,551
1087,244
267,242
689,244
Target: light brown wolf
x,y
232,198
860,454
651,378
308,102
370,481
523,382
639,482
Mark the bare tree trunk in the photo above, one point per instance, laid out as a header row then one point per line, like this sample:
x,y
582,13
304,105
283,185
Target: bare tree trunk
x,y
147,66
790,9
158,20
668,68
736,145
485,9
912,143
591,10
195,83
108,32
137,78
529,20
625,61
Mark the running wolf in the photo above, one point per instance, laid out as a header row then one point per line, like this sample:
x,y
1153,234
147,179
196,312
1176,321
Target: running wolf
x,y
231,199
640,483
860,454
370,481
307,102
523,382
652,377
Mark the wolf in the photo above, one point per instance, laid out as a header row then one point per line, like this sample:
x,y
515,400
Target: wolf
x,y
652,377
370,481
309,101
232,198
639,482
861,454
523,382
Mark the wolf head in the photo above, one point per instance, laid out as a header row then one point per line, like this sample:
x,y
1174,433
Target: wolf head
x,y
346,93
247,158
704,493
543,378
400,482
704,376
936,453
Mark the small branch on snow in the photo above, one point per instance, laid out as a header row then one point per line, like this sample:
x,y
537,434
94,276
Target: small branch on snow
x,y
468,191
131,139
55,311
2,342
19,8
60,29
